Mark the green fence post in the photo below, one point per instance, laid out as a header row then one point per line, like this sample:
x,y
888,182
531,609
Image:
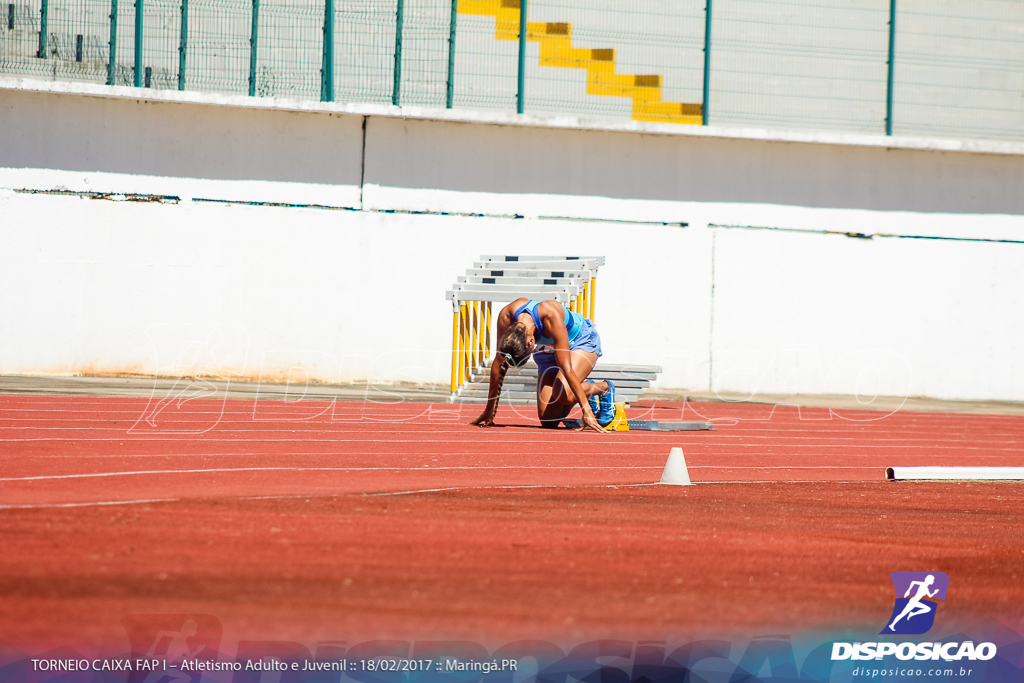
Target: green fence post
x,y
450,89
521,95
183,44
138,43
44,16
892,61
396,90
112,55
252,46
327,69
707,64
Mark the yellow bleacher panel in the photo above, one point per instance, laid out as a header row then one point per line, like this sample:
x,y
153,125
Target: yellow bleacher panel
x,y
556,50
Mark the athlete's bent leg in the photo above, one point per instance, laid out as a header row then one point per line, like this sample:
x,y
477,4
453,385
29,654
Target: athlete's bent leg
x,y
555,397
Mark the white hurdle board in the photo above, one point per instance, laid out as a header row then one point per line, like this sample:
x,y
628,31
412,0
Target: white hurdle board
x,y
955,473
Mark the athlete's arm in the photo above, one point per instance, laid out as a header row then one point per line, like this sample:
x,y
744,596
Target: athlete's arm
x,y
498,368
553,316
910,588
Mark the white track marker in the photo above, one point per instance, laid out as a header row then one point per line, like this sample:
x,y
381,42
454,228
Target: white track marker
x,y
965,473
675,469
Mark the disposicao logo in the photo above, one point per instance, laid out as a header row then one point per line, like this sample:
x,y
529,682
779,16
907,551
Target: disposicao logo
x,y
914,612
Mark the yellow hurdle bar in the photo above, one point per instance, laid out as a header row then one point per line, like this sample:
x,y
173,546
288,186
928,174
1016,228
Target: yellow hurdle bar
x,y
478,314
467,355
463,327
593,296
474,324
471,348
487,330
455,349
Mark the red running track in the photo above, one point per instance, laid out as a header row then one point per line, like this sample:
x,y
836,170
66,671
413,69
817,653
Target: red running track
x,y
317,521
65,450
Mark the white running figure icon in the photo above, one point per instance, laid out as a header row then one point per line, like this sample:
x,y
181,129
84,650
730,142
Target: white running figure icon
x,y
175,653
914,605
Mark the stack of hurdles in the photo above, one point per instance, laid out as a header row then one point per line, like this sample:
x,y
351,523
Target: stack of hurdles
x,y
570,280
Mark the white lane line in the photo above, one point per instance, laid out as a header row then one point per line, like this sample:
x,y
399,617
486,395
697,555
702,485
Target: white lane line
x,y
429,469
80,505
467,488
338,428
334,469
348,404
759,440
193,438
910,418
398,493
651,442
598,486
320,455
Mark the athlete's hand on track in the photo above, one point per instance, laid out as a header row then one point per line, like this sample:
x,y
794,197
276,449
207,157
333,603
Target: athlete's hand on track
x,y
484,420
590,422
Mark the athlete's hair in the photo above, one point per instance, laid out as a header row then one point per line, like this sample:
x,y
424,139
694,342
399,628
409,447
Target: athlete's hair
x,y
513,345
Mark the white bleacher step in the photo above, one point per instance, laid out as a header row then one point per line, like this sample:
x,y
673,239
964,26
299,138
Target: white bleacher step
x,y
471,391
636,385
515,281
541,264
520,384
504,258
635,370
530,366
503,402
627,378
512,401
600,371
529,274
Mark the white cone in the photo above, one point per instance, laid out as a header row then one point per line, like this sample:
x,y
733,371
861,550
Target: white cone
x,y
675,469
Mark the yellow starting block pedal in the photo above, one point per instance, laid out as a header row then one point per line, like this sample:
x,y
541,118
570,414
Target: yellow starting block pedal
x,y
648,425
619,423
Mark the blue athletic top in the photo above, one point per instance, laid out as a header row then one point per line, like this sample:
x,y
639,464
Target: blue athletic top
x,y
573,324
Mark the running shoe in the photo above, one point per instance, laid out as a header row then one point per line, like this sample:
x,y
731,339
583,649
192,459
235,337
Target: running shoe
x,y
607,412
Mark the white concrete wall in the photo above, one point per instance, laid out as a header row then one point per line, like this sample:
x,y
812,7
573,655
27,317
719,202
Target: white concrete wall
x,y
351,284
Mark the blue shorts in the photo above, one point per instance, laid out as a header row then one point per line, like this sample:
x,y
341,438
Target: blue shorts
x,y
586,340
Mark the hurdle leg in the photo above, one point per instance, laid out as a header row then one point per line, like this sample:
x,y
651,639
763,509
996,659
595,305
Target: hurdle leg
x,y
463,327
593,296
487,330
478,348
474,324
467,354
455,348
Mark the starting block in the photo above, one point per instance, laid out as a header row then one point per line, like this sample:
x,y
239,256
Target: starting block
x,y
620,424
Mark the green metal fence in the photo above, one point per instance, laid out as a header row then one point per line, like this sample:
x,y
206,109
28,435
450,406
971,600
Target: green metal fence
x,y
903,67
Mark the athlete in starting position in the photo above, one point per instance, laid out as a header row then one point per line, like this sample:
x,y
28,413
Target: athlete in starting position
x,y
565,346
